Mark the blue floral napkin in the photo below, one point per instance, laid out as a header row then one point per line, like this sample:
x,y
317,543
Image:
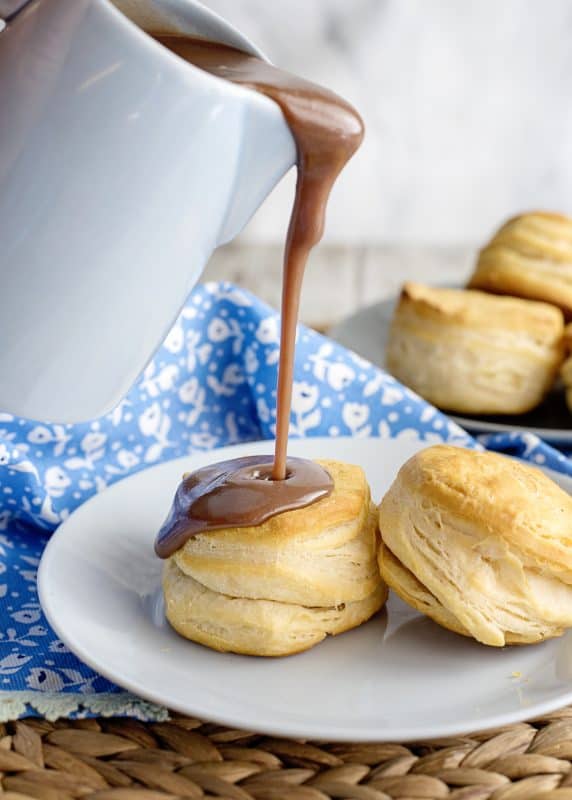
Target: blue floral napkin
x,y
212,383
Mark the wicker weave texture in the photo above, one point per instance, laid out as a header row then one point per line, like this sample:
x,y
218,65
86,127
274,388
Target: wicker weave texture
x,y
119,759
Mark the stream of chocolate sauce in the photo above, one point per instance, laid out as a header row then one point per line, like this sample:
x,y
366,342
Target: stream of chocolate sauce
x,y
327,131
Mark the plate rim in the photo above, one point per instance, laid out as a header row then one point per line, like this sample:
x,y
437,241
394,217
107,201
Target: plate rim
x,y
284,728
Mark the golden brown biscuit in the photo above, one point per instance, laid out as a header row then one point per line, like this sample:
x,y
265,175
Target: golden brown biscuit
x,y
281,586
481,543
529,256
257,627
471,352
566,370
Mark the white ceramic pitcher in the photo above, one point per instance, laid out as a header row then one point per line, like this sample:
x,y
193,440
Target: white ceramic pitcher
x,y
122,168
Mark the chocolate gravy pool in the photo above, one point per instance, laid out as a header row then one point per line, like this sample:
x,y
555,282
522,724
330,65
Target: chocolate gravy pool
x,y
327,132
238,493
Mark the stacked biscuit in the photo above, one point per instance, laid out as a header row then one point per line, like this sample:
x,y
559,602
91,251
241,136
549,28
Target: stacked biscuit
x,y
281,587
496,347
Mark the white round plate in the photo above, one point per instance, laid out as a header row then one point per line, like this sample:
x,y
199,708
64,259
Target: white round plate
x,y
399,677
366,332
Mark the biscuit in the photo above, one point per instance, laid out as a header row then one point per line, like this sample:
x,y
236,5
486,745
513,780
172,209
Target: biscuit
x,y
529,256
566,370
471,352
282,586
256,627
481,543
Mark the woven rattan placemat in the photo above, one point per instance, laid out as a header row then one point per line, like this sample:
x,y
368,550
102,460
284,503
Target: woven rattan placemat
x,y
120,759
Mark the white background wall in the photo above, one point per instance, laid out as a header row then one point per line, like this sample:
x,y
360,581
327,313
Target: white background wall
x,y
467,105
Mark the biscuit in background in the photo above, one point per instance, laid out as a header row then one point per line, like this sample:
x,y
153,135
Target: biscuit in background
x,y
481,543
472,352
529,256
566,371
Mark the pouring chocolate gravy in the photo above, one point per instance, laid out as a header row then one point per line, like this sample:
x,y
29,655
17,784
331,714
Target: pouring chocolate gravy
x,y
327,132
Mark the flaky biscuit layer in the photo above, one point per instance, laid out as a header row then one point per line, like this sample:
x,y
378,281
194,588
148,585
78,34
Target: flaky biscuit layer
x,y
481,543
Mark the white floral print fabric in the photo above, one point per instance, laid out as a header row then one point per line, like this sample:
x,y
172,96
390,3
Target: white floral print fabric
x,y
212,383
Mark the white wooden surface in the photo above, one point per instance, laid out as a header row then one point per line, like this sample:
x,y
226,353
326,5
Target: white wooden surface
x,y
340,279
466,105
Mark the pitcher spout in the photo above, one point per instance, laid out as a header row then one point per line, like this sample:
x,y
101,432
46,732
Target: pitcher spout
x,y
267,151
